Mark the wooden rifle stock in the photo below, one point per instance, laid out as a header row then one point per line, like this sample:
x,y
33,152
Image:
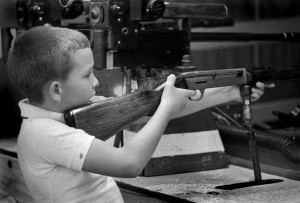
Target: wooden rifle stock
x,y
105,118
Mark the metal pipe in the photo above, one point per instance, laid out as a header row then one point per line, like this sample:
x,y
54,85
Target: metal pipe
x,y
289,148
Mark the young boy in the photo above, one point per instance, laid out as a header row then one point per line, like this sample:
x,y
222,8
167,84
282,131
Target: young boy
x,y
53,67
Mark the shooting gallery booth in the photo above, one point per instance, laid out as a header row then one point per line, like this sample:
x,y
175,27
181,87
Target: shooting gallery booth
x,y
210,156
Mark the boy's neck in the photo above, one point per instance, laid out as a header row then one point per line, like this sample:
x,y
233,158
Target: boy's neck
x,y
50,106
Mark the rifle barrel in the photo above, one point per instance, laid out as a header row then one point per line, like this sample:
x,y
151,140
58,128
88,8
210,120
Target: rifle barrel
x,y
273,75
244,36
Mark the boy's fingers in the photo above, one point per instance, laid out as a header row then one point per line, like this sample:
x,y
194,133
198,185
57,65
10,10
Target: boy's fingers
x,y
171,79
257,91
197,95
259,85
271,85
193,95
263,85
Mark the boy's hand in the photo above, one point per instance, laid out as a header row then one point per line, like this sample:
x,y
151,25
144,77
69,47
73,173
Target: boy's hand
x,y
259,90
173,99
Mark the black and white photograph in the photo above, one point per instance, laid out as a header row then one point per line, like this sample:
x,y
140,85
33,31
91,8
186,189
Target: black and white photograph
x,y
149,101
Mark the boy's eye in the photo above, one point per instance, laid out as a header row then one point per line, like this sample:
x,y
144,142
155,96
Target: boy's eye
x,y
89,74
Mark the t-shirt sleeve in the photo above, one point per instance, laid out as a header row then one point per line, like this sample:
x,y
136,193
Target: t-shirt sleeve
x,y
66,146
79,155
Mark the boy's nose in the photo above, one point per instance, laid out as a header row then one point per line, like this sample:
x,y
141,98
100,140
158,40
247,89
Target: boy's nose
x,y
95,81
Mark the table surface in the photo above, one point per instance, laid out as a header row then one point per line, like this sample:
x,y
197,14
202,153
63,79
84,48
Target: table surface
x,y
200,186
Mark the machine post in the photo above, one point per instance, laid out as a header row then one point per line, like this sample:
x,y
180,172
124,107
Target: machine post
x,y
247,116
248,125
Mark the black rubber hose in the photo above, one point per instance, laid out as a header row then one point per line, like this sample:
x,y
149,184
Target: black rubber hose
x,y
289,149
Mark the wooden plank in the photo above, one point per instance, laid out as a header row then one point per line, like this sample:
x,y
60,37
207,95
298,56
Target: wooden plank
x,y
185,152
185,163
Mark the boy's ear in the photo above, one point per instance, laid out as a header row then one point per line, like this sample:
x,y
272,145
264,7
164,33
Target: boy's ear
x,y
55,91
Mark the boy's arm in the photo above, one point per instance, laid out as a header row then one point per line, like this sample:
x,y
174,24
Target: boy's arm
x,y
130,160
221,95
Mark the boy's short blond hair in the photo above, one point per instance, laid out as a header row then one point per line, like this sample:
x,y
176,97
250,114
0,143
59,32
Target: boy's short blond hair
x,y
41,55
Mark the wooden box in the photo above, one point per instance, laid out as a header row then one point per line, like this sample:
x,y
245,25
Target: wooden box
x,y
191,143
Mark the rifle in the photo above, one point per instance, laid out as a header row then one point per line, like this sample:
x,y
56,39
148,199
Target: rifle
x,y
105,118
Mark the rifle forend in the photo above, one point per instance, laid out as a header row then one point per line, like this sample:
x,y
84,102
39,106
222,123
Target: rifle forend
x,y
105,118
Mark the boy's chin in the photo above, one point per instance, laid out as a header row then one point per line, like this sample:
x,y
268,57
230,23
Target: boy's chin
x,y
80,104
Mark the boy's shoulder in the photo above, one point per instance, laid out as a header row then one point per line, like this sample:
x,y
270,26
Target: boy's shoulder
x,y
42,135
46,126
44,123
39,122
36,118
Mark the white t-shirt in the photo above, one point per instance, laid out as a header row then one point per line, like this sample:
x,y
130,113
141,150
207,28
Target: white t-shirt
x,y
51,155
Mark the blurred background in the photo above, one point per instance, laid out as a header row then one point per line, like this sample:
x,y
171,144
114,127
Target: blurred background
x,y
247,16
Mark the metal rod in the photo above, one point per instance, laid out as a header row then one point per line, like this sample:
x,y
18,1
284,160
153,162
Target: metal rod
x,y
247,116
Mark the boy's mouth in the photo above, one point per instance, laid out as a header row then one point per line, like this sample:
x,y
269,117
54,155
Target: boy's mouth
x,y
94,91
